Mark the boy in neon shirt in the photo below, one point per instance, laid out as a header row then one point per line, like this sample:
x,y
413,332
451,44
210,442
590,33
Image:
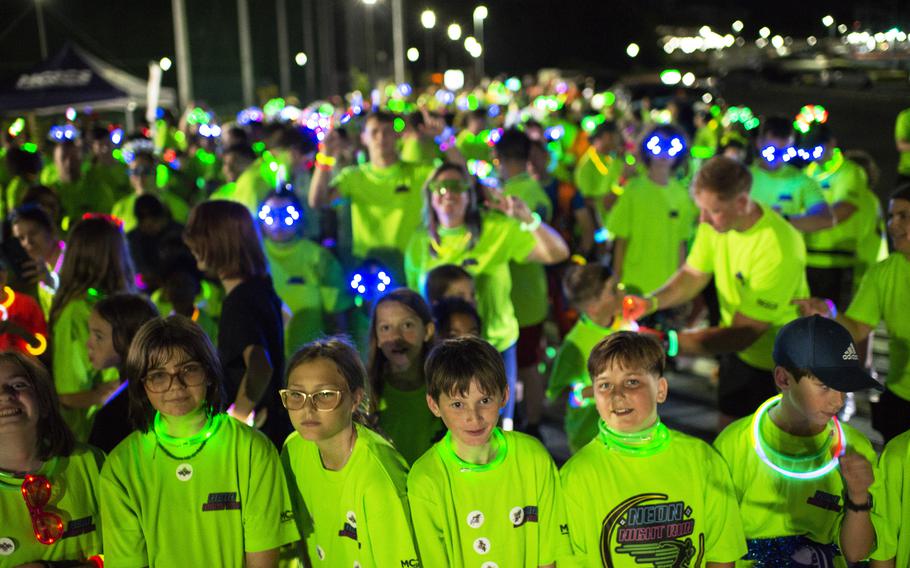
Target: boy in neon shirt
x,y
781,186
599,170
481,496
902,143
628,509
802,478
891,515
385,194
592,289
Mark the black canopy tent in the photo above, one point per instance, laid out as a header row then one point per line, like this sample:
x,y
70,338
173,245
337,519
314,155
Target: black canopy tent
x,y
74,78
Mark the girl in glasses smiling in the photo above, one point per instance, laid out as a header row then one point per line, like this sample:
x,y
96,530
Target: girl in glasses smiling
x,y
347,482
191,487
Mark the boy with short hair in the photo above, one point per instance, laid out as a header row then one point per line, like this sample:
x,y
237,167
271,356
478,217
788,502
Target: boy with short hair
x,y
592,289
481,496
801,477
891,515
640,493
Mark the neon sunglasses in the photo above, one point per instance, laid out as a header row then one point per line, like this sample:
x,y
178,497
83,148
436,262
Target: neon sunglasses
x,y
48,527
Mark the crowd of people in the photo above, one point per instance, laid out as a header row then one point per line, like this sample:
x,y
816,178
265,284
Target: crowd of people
x,y
317,335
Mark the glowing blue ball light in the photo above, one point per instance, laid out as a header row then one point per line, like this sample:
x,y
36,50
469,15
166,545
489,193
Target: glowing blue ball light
x,y
659,146
63,133
371,281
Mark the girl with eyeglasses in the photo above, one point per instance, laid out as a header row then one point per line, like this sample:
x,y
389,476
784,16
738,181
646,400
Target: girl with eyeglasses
x,y
457,232
97,264
48,481
347,482
191,486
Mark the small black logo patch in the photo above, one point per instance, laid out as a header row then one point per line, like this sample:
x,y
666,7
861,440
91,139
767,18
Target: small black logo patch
x,y
221,502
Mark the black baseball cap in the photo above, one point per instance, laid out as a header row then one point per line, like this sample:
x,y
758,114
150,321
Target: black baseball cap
x,y
825,347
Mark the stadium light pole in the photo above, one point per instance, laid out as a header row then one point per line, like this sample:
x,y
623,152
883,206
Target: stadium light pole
x,y
480,14
182,53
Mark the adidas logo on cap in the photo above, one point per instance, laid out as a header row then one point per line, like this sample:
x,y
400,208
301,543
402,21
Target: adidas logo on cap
x,y
850,354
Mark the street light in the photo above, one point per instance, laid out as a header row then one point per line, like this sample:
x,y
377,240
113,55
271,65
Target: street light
x,y
428,19
737,26
469,43
764,32
828,21
632,50
165,63
413,54
480,14
454,32
301,59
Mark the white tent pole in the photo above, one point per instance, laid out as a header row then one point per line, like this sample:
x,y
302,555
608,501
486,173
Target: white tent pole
x,y
246,51
182,45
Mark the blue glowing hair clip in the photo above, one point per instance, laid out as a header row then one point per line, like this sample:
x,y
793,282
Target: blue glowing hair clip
x,y
251,115
63,133
494,136
810,155
209,130
137,146
493,111
773,155
660,146
554,133
370,281
116,136
405,90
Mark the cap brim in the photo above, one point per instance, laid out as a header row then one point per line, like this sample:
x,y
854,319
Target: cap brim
x,y
847,379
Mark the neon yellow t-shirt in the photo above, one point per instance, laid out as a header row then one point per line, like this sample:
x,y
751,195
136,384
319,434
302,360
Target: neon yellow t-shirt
x,y
386,209
74,497
124,209
249,189
406,419
596,175
787,190
570,371
417,150
206,509
311,282
115,176
500,241
654,220
358,516
902,133
781,514
630,511
891,502
529,294
841,180
884,294
474,146
757,273
83,197
506,513
73,372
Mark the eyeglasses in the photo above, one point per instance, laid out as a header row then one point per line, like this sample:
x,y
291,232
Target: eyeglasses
x,y
48,527
325,400
449,186
191,374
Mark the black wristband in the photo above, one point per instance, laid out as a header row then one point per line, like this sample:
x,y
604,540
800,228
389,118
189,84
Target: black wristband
x,y
867,506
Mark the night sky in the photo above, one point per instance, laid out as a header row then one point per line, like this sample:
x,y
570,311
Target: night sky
x,y
520,36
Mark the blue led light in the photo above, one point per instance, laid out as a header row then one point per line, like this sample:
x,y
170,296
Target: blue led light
x,y
370,281
772,154
116,136
249,116
63,133
209,130
288,215
664,147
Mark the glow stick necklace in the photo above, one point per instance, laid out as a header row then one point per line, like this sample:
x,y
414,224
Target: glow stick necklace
x,y
640,444
837,449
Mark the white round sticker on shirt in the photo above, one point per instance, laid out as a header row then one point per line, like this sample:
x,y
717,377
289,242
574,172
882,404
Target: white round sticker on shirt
x,y
320,552
7,546
184,472
351,518
357,564
475,519
517,515
489,565
482,545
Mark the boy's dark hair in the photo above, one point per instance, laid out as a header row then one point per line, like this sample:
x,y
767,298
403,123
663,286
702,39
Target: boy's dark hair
x,y
149,207
797,373
455,363
23,163
439,279
513,145
125,313
445,308
902,192
31,212
583,283
776,127
628,350
723,176
243,151
381,116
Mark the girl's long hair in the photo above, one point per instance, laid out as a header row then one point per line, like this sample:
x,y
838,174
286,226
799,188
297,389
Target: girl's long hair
x,y
377,361
96,257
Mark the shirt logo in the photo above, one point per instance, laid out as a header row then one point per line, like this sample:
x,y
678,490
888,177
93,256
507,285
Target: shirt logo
x,y
850,354
766,304
522,515
489,565
475,519
785,197
402,189
351,518
564,530
7,546
184,472
77,527
482,545
299,280
674,214
825,501
287,516
468,262
349,531
221,502
651,531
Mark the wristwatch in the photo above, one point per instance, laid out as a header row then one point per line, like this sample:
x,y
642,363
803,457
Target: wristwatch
x,y
867,506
